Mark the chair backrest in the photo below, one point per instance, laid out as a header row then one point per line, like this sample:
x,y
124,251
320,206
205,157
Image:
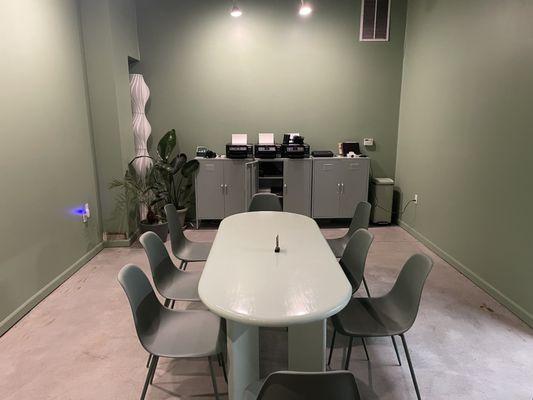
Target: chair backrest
x,y
338,385
265,202
160,262
177,238
407,291
354,257
144,304
361,217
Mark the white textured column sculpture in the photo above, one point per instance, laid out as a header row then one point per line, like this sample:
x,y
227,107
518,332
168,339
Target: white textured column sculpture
x,y
141,127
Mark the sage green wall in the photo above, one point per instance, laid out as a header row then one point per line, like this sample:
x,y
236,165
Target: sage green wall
x,y
466,139
110,38
211,75
47,159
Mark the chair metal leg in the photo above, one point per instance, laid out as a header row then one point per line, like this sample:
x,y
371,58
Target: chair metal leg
x,y
172,304
411,369
156,360
167,302
331,347
396,350
148,377
348,354
366,287
213,378
364,347
223,365
185,265
149,360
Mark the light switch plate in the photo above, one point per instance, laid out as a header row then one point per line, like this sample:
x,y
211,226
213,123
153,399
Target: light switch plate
x,y
368,142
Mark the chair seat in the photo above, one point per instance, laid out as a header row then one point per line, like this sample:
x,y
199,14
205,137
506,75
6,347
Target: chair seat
x,y
338,245
371,317
180,285
193,251
177,335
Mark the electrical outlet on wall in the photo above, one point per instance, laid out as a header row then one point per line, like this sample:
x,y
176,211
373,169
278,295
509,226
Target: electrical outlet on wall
x,y
368,142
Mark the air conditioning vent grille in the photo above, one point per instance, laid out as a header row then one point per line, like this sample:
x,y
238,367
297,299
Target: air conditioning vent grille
x,y
375,20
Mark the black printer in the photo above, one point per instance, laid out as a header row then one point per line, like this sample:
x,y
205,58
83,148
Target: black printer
x,y
239,151
267,150
295,150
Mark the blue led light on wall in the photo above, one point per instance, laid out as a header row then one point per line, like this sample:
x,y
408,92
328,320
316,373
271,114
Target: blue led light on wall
x,y
82,211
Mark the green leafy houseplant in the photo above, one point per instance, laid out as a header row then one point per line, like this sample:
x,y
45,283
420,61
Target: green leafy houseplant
x,y
137,192
171,176
168,181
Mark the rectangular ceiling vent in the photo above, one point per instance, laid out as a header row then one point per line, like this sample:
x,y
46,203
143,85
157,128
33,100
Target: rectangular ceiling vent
x,y
375,20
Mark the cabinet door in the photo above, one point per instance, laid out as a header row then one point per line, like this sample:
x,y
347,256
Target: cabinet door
x,y
297,180
251,181
210,190
234,185
354,185
326,187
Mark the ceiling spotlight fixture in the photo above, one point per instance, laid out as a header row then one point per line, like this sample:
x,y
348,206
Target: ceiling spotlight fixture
x,y
235,11
305,9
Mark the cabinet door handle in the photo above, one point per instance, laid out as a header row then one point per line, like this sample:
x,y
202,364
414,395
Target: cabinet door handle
x,y
285,188
226,186
338,187
222,187
342,187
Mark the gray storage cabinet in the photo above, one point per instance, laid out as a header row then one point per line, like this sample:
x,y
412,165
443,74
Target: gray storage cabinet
x,y
297,181
220,188
339,184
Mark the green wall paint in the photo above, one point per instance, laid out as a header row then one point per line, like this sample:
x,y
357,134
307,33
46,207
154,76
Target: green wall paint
x,y
211,75
466,136
47,164
110,37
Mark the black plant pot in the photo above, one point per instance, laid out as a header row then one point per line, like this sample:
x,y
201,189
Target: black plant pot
x,y
182,213
160,229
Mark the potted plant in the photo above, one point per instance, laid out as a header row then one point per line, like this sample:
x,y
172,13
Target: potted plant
x,y
169,181
137,193
171,177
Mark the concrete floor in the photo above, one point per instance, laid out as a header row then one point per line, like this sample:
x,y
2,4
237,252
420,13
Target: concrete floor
x,y
80,343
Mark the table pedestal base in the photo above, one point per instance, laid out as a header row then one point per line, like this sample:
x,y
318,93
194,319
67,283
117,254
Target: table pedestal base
x,y
307,347
243,358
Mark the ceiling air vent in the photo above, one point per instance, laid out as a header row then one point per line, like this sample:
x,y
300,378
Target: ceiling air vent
x,y
375,19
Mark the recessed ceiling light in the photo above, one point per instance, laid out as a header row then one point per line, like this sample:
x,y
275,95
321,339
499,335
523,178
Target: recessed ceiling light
x,y
235,11
305,9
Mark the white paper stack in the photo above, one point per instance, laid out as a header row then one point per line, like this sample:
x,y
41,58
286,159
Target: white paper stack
x,y
266,138
239,138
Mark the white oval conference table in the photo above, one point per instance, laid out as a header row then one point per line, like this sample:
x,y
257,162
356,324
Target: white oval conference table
x,y
250,285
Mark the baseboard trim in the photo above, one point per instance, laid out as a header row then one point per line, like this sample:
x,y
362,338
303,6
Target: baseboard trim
x,y
501,298
27,306
122,242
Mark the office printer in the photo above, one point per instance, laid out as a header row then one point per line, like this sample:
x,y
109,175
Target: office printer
x,y
239,151
295,150
267,150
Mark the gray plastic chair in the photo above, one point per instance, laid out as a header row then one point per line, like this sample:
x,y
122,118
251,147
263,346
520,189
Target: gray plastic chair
x,y
288,385
360,220
391,314
169,333
172,283
353,260
184,249
265,202
353,263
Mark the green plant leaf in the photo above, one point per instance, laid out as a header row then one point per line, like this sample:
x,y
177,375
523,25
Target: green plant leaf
x,y
178,162
166,145
190,168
